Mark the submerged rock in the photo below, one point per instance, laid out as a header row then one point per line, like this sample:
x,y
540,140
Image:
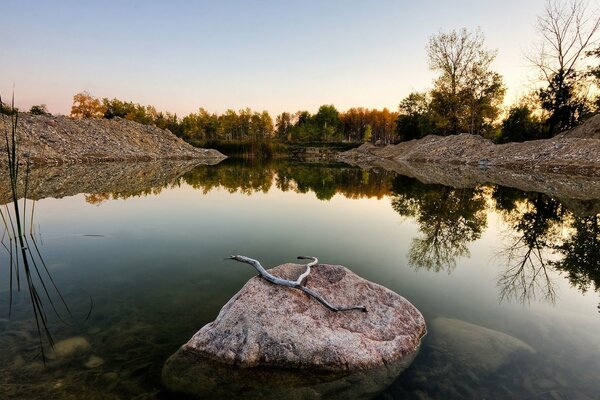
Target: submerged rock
x,y
93,362
71,346
474,347
200,378
266,326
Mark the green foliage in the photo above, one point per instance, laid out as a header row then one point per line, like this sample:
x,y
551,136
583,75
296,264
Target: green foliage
x,y
520,125
414,120
40,109
284,123
467,94
117,108
324,126
200,126
7,109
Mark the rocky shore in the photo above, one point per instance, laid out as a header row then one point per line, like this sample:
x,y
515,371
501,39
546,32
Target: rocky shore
x,y
575,152
97,181
59,139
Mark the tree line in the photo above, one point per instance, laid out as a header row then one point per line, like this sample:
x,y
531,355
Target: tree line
x,y
326,125
467,94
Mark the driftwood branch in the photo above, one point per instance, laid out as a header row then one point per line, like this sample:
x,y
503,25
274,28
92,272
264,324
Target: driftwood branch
x,y
297,284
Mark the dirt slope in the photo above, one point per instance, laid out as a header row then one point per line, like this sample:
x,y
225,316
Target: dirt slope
x,y
59,139
575,152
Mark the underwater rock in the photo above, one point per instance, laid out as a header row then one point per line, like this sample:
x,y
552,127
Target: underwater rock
x,y
200,378
93,362
71,346
267,325
474,347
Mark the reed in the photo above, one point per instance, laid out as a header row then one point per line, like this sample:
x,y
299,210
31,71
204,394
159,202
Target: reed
x,y
25,261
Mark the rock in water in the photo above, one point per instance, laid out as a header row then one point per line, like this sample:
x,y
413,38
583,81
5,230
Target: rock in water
x,y
267,325
474,347
71,346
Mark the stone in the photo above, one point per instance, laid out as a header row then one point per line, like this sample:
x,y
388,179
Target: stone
x,y
474,347
72,346
268,331
200,378
93,362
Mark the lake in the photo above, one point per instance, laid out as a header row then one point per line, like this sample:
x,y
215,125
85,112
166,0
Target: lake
x,y
137,253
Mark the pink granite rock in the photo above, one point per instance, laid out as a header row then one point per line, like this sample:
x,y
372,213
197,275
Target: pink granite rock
x,y
275,326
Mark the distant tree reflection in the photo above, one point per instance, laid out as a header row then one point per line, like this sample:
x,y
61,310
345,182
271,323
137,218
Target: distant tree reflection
x,y
535,222
448,219
581,254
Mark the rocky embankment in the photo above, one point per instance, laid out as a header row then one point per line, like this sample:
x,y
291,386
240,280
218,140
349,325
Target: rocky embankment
x,y
59,139
98,181
576,152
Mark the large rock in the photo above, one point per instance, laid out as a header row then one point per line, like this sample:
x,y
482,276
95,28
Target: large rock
x,y
270,327
200,378
474,347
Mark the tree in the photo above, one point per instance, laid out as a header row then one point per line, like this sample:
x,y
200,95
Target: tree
x,y
414,119
40,109
86,106
568,30
327,120
284,125
200,126
355,124
467,94
521,125
116,108
382,125
229,127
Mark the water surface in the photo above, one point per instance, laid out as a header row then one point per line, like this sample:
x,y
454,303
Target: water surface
x,y
145,254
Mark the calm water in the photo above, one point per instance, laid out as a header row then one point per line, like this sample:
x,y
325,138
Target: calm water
x,y
145,254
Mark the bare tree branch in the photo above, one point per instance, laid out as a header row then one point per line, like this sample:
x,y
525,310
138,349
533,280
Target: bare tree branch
x,y
294,284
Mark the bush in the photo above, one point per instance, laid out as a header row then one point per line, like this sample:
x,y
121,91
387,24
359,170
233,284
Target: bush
x,y
40,109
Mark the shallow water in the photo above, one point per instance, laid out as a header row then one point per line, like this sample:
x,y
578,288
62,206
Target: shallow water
x,y
146,257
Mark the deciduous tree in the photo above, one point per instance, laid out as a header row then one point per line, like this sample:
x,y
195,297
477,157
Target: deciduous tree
x,y
86,106
567,30
467,93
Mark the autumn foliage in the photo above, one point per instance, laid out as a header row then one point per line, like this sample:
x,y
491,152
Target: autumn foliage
x,y
86,106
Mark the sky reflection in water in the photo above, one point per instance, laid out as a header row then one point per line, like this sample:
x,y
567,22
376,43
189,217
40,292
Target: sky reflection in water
x,y
152,260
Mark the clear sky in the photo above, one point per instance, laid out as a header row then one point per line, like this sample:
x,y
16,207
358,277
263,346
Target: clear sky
x,y
275,55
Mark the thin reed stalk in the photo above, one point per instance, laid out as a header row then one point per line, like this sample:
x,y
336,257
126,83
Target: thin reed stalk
x,y
23,252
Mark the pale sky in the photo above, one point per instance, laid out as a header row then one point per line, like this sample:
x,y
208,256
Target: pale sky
x,y
274,55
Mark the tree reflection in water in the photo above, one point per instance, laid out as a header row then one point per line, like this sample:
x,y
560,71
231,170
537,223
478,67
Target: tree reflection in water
x,y
535,223
581,254
543,235
448,219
